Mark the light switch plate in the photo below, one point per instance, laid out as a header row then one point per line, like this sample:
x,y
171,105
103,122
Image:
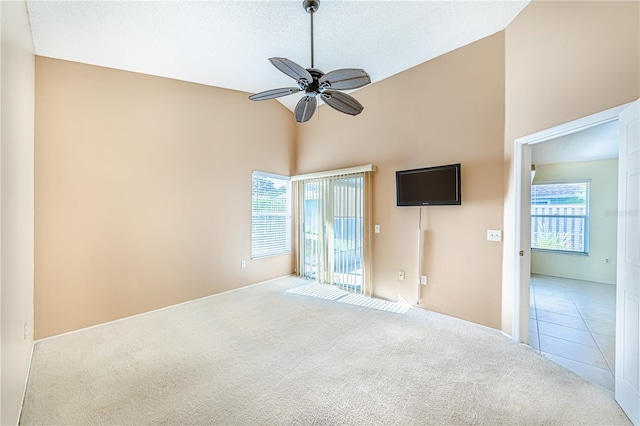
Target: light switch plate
x,y
376,228
494,235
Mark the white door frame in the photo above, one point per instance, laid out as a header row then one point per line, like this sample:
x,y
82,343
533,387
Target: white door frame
x,y
522,228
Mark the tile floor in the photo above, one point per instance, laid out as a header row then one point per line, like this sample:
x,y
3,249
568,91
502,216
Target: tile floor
x,y
573,323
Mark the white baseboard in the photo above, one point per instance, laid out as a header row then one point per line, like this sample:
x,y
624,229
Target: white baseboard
x,y
508,336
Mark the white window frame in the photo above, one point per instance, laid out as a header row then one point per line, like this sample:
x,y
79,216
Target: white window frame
x,y
280,233
585,251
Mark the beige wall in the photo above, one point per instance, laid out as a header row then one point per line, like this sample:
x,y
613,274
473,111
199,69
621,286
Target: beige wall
x,y
445,111
143,192
603,224
564,60
130,168
16,201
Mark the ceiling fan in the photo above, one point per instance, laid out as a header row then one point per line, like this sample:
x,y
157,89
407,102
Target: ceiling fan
x,y
316,83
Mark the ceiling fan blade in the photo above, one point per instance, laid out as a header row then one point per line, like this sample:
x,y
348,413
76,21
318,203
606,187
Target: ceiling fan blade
x,y
342,102
305,108
274,93
291,69
346,78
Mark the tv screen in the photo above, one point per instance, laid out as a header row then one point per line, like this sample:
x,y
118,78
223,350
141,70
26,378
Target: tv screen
x,y
430,186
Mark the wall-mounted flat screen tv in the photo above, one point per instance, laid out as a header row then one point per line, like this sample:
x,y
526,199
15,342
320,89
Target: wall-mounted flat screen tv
x,y
430,186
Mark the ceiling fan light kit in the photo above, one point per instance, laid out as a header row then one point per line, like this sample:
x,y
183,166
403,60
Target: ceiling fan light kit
x,y
316,83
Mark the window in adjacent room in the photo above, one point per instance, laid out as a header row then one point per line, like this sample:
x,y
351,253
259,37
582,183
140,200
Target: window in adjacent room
x,y
560,217
270,215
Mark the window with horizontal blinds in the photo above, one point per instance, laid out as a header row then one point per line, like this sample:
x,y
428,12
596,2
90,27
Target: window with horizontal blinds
x,y
270,215
560,217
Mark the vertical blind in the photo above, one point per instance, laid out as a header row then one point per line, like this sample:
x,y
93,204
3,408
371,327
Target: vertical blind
x,y
332,243
270,215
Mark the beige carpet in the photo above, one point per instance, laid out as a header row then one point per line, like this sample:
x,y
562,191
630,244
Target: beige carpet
x,y
263,355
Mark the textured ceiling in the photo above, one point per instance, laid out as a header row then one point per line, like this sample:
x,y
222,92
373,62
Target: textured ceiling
x,y
227,43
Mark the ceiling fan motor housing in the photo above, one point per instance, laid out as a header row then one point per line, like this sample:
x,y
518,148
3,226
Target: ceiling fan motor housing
x,y
311,6
315,87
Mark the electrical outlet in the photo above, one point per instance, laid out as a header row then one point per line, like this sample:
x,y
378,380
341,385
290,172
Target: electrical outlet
x,y
243,264
494,235
401,275
376,228
423,279
607,260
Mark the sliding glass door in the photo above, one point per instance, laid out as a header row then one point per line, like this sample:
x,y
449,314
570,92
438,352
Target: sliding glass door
x,y
332,230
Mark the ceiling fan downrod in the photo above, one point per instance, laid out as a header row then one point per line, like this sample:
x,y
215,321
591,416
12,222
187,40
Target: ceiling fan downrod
x,y
311,7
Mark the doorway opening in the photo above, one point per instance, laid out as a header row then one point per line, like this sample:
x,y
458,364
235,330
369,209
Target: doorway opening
x,y
522,258
627,287
573,251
